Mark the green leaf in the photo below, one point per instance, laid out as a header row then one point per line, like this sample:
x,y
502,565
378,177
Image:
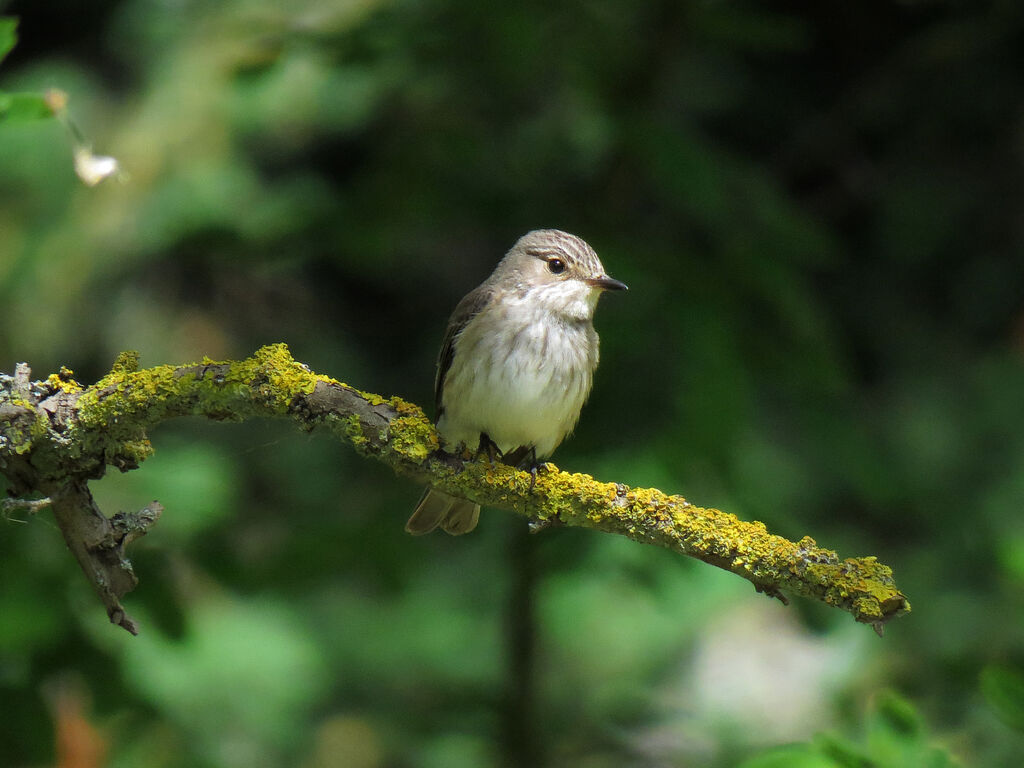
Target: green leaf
x,y
23,106
8,35
791,756
1003,689
842,752
898,715
898,737
18,106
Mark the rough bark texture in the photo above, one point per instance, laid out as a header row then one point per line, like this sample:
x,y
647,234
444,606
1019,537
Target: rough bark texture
x,y
56,435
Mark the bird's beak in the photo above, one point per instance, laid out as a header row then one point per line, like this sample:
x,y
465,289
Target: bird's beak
x,y
606,283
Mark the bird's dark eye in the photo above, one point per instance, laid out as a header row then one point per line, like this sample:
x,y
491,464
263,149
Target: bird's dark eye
x,y
556,266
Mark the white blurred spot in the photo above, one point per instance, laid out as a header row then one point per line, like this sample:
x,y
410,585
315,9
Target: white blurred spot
x,y
759,670
92,169
756,678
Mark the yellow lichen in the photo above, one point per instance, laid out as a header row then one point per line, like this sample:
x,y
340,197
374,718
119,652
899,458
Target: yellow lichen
x,y
413,437
126,362
113,414
63,382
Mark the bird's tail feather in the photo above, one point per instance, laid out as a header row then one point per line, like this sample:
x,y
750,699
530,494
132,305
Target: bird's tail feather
x,y
455,516
462,518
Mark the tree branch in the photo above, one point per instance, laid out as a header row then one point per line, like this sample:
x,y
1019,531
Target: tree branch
x,y
55,435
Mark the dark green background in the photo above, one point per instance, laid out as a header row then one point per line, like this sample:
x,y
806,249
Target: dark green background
x,y
819,210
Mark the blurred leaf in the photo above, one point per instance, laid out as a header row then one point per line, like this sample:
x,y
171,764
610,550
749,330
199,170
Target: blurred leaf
x,y
794,756
456,750
346,742
241,678
843,752
1003,688
8,35
897,736
896,739
18,106
898,715
23,106
25,623
1011,554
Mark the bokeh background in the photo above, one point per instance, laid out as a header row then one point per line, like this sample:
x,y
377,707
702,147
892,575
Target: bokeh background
x,y
819,209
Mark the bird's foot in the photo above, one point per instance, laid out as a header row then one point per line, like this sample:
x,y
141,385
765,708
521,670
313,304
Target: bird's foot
x,y
489,447
522,458
533,466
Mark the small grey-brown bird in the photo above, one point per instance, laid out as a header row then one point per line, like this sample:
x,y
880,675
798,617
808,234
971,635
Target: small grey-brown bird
x,y
517,362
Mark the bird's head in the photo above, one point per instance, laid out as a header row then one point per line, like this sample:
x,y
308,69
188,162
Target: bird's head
x,y
559,272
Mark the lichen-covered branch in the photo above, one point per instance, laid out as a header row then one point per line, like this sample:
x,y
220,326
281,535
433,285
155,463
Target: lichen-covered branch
x,y
56,435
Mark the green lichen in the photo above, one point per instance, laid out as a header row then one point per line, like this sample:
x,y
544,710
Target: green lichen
x,y
354,432
126,362
128,454
22,434
265,384
114,413
770,562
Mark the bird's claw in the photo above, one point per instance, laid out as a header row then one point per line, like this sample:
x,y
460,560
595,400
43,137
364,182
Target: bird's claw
x,y
488,447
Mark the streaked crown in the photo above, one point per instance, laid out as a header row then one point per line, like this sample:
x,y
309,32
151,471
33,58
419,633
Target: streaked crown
x,y
574,252
549,257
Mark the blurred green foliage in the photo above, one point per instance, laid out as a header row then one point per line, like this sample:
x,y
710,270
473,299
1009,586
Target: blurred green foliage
x,y
17,106
895,738
817,209
1003,687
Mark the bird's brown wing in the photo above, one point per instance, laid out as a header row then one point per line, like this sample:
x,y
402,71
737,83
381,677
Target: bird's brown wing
x,y
470,306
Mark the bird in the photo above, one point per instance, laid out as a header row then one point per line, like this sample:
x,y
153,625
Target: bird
x,y
517,363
